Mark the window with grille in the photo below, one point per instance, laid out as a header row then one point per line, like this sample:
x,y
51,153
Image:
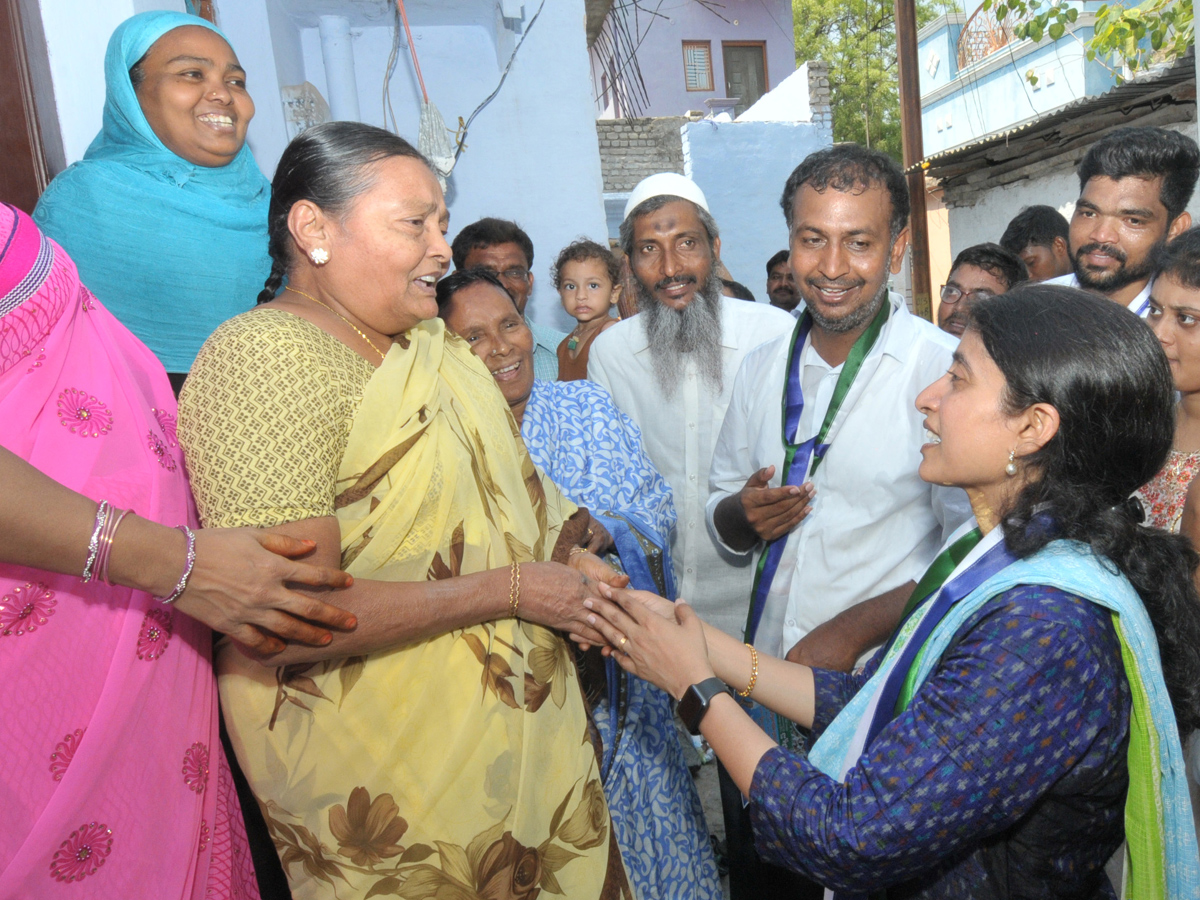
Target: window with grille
x,y
697,65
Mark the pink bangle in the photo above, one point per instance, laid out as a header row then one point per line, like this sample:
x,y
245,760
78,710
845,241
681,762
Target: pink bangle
x,y
187,569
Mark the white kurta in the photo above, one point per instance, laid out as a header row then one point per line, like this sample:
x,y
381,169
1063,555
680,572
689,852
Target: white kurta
x,y
678,435
874,524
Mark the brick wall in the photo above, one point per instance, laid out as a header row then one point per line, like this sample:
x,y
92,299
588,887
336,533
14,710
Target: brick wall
x,y
631,149
818,93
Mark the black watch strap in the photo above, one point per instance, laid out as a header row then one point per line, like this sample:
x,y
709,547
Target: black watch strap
x,y
695,702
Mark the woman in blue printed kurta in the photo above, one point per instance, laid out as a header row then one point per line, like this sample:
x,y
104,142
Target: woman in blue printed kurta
x,y
1030,703
593,452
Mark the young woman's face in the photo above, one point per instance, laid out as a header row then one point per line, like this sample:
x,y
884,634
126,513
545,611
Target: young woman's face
x,y
1175,317
193,94
970,434
587,291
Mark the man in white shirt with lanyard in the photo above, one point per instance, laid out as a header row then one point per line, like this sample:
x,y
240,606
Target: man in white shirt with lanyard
x,y
1134,184
670,369
841,543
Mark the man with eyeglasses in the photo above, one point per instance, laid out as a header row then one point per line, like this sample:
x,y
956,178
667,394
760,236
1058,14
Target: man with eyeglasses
x,y
503,248
979,272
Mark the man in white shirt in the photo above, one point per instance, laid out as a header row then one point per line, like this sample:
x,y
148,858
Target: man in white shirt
x,y
851,539
1134,185
872,526
670,369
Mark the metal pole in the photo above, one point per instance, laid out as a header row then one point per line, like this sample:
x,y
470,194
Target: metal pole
x,y
910,124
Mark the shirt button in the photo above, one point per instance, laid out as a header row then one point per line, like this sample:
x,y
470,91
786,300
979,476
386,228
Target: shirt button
x,y
691,424
791,622
692,477
690,570
691,524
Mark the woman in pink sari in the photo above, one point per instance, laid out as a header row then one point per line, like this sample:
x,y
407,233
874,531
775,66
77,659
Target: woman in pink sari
x,y
115,784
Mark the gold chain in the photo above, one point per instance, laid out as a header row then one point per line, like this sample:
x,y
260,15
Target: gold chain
x,y
382,355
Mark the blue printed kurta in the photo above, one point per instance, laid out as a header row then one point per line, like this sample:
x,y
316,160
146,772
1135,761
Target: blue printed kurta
x,y
593,452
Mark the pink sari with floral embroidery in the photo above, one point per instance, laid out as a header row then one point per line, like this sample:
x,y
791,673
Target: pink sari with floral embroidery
x,y
114,782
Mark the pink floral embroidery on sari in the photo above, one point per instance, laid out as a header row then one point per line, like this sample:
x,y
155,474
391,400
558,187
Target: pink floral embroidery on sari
x,y
26,608
64,752
80,855
156,632
195,767
166,421
159,448
83,414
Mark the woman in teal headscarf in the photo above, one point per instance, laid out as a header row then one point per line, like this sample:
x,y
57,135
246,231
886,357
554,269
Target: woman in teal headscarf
x,y
166,214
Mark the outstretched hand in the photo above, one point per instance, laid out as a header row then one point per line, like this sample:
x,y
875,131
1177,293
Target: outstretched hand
x,y
774,511
668,652
239,587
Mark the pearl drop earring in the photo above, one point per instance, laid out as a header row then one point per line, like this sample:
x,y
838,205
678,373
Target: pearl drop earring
x,y
1011,469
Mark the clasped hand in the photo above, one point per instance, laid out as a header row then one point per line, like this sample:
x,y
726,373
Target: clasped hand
x,y
654,639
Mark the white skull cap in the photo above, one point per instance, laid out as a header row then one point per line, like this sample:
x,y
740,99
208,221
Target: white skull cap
x,y
665,184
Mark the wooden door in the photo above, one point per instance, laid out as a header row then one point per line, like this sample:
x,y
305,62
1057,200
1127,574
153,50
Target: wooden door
x,y
23,169
745,72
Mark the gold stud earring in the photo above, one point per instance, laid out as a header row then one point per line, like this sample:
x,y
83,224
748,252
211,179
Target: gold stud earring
x,y
1011,469
319,256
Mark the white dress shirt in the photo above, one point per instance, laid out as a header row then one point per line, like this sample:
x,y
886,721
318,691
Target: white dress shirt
x,y
874,523
678,434
1138,305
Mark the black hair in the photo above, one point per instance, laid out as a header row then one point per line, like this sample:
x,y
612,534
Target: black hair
x,y
1149,152
1036,226
780,257
327,165
137,72
1105,373
489,232
853,168
737,290
580,251
463,278
1180,259
654,204
993,258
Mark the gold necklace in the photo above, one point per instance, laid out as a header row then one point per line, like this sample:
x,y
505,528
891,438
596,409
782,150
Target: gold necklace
x,y
382,355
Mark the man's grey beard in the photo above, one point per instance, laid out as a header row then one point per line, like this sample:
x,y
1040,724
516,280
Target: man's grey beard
x,y
852,321
674,336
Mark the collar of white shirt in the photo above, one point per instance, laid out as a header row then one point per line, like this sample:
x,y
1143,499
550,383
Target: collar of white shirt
x,y
1135,305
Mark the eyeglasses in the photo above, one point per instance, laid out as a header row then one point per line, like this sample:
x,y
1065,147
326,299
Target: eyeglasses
x,y
516,273
952,294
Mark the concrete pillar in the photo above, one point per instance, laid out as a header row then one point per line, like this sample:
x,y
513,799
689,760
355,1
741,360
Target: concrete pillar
x,y
338,54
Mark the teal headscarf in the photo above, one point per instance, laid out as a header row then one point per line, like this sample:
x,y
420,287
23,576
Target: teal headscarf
x,y
171,248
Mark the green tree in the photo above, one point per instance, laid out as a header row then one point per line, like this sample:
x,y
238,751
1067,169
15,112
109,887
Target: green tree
x,y
1125,38
857,38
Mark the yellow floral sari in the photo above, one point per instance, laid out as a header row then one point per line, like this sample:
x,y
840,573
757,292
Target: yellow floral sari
x,y
457,767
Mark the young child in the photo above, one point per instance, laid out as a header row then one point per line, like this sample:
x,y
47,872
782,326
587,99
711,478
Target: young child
x,y
588,279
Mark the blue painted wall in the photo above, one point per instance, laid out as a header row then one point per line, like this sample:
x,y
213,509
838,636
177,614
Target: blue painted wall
x,y
531,155
742,168
994,94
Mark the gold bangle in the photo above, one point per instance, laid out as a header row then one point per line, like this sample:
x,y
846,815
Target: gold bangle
x,y
514,590
753,673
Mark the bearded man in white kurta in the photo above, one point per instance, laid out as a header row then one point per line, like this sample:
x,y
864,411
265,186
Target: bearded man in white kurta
x,y
670,369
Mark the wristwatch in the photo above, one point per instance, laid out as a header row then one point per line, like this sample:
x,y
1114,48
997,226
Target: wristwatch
x,y
694,703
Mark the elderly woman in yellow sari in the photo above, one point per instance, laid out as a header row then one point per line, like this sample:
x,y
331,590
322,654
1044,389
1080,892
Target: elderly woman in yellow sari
x,y
441,747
